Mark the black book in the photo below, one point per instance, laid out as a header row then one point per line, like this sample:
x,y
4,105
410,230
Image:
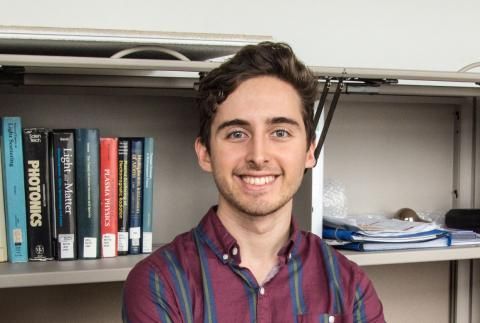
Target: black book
x,y
37,194
136,195
123,194
62,161
87,167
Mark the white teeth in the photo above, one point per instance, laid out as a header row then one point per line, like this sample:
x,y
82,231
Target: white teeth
x,y
258,180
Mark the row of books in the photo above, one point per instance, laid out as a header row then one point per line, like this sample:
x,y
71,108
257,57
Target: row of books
x,y
71,194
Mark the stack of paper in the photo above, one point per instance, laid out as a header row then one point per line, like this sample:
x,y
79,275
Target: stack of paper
x,y
373,233
463,237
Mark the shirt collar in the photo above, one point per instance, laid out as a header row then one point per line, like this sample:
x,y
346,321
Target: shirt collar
x,y
213,233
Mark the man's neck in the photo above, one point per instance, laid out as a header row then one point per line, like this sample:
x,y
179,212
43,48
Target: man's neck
x,y
260,238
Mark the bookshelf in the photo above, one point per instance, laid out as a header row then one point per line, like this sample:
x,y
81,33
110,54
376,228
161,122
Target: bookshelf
x,y
100,92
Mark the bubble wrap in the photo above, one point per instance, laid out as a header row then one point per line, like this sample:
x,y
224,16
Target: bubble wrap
x,y
334,199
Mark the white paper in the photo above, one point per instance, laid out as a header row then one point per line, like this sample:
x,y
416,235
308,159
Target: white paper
x,y
89,247
379,226
135,233
108,245
66,245
147,242
17,236
123,241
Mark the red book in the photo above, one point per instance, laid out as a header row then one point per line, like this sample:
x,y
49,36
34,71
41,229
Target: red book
x,y
109,196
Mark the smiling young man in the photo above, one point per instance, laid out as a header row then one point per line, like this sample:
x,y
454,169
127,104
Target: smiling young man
x,y
247,261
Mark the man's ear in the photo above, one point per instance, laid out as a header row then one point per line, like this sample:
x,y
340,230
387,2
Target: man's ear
x,y
203,155
310,158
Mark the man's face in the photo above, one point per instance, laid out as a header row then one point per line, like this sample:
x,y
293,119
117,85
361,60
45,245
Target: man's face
x,y
258,147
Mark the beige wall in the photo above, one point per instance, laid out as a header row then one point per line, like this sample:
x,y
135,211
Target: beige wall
x,y
408,34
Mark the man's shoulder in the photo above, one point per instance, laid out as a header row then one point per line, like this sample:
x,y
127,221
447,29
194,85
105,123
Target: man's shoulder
x,y
327,252
333,263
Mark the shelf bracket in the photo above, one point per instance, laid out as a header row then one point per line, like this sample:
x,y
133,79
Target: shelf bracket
x,y
321,103
330,113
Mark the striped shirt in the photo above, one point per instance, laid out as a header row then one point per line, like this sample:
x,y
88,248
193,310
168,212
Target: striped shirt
x,y
198,278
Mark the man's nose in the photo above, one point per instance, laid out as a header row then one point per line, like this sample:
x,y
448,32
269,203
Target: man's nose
x,y
258,152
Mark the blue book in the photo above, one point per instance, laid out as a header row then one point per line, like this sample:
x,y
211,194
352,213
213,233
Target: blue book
x,y
136,196
349,235
378,246
3,231
87,157
14,189
147,196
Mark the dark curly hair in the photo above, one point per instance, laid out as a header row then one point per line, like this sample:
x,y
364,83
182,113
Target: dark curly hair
x,y
265,58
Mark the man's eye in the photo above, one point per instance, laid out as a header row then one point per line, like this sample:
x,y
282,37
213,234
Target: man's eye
x,y
281,133
236,135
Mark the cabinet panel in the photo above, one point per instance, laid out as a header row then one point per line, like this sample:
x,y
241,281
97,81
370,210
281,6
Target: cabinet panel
x,y
391,152
413,292
59,304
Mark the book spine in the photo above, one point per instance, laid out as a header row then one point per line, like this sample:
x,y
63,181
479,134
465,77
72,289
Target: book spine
x,y
123,194
87,155
147,197
14,190
109,196
3,230
136,196
62,159
37,194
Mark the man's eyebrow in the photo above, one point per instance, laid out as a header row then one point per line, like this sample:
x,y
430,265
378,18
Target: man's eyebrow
x,y
278,120
233,122
243,123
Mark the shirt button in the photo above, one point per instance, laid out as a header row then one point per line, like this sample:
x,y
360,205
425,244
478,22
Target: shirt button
x,y
262,291
225,257
331,319
290,255
234,251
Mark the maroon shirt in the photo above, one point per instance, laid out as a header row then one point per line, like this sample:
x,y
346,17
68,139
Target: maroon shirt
x,y
197,278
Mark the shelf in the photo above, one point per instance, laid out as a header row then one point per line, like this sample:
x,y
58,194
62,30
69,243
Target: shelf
x,y
56,70
116,269
412,256
106,42
78,65
67,272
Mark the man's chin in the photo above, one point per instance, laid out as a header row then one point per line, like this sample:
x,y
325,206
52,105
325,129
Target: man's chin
x,y
259,205
259,209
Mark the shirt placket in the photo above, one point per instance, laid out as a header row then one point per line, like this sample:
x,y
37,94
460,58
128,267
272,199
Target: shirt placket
x,y
263,310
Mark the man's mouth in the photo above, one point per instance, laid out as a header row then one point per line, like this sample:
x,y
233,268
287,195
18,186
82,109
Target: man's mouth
x,y
258,180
